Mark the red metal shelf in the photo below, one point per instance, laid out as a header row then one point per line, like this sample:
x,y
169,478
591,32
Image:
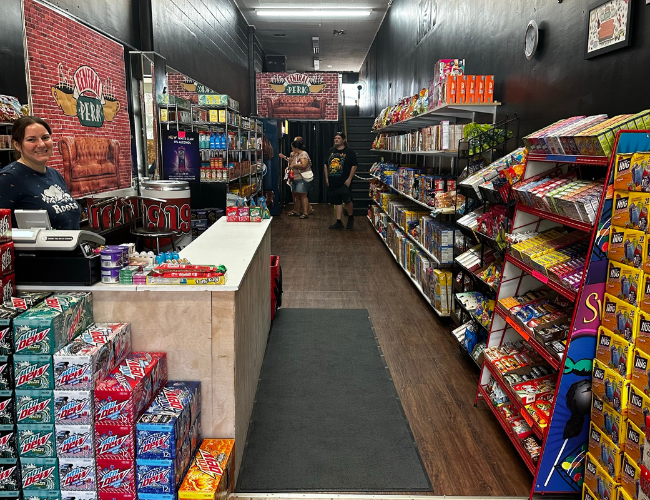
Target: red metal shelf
x,y
569,294
508,430
580,160
576,224
541,350
513,398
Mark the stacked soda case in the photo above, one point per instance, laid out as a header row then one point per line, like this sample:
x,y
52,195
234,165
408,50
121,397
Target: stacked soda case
x,y
7,262
39,332
120,399
212,473
78,368
167,436
618,462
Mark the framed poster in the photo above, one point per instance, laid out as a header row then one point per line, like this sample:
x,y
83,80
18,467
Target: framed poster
x,y
608,27
180,155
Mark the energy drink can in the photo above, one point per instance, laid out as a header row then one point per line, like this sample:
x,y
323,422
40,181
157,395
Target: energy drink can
x,y
36,441
74,441
34,407
39,473
34,372
73,407
77,474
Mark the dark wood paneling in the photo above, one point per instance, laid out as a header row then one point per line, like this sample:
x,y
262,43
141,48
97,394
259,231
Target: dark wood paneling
x,y
463,448
12,76
489,34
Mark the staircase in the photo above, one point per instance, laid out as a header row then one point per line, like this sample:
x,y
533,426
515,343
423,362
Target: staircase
x,y
360,139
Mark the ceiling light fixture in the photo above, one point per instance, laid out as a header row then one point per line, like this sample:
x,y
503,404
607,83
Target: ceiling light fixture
x,y
315,44
329,65
319,12
316,63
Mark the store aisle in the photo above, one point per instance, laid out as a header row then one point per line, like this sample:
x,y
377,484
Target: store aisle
x,y
464,450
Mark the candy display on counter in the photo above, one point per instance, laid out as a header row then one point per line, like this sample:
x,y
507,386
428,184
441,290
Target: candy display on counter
x,y
242,212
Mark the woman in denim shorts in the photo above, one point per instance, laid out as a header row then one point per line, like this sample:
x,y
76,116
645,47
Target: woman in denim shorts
x,y
300,163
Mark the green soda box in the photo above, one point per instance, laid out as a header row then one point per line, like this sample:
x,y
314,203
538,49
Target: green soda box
x,y
39,474
53,323
42,495
36,441
34,407
7,317
33,371
9,476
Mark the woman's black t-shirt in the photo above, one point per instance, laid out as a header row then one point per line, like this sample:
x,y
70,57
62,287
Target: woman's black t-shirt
x,y
24,188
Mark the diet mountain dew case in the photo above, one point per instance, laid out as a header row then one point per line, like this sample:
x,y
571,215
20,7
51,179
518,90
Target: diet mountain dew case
x,y
46,328
36,441
8,441
7,381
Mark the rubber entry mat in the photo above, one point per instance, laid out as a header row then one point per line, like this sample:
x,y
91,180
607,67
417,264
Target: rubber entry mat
x,y
326,415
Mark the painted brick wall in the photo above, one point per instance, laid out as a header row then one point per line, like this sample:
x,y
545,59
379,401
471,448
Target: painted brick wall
x,y
175,81
330,93
55,41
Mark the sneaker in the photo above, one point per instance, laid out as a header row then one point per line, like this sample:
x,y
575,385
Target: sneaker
x,y
350,224
337,225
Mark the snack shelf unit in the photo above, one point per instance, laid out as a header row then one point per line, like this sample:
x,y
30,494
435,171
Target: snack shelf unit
x,y
434,210
413,239
444,112
415,283
457,316
565,436
447,154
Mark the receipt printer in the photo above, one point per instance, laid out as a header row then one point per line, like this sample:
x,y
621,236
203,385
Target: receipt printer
x,y
50,257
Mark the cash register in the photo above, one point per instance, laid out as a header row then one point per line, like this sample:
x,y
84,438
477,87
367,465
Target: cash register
x,y
53,257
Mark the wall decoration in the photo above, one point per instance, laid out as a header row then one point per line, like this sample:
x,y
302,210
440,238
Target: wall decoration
x,y
428,15
181,85
77,83
298,96
608,27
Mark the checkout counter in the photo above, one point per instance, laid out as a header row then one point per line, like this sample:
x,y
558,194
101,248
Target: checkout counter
x,y
215,334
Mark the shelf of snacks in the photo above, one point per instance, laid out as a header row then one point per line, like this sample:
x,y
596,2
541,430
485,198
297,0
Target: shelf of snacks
x,y
438,114
466,335
560,219
487,226
477,307
550,282
437,193
436,281
511,432
498,175
577,159
449,154
485,268
524,379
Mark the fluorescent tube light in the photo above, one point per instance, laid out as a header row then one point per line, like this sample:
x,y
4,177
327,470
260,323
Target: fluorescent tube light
x,y
338,12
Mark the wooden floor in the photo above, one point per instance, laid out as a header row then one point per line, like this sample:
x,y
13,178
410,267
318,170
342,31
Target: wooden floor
x,y
464,450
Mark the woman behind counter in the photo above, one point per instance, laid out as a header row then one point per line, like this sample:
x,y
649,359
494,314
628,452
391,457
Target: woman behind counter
x,y
29,183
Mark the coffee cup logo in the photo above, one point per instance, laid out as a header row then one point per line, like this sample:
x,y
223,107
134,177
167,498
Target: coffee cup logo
x,y
84,95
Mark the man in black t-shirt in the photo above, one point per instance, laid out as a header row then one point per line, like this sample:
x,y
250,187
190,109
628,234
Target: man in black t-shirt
x,y
340,166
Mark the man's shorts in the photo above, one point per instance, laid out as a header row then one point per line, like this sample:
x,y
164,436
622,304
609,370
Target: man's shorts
x,y
340,195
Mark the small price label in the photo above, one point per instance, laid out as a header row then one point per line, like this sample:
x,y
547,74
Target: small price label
x,y
540,277
518,329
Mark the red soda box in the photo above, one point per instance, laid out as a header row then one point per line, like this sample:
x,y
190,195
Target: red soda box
x,y
232,214
116,476
122,397
461,89
115,442
7,259
5,225
8,287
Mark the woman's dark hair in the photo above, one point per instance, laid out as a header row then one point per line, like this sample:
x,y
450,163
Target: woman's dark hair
x,y
19,126
298,145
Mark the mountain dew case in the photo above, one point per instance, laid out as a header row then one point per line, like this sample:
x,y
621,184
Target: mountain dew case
x,y
9,476
39,474
7,407
36,441
8,442
73,407
77,474
7,329
42,495
46,328
74,441
78,495
7,381
33,371
34,407
212,471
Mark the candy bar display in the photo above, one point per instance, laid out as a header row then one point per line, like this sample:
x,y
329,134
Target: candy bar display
x,y
244,213
491,270
509,169
492,223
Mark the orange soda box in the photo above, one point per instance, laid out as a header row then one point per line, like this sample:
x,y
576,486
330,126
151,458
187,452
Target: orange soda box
x,y
489,88
461,89
212,472
470,89
450,89
480,89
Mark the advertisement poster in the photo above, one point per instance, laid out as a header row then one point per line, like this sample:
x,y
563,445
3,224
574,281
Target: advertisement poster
x,y
298,96
80,90
181,159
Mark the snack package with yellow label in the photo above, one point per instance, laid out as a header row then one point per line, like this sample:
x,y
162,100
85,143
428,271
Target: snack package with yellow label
x,y
642,331
609,386
619,317
634,443
608,420
638,407
211,474
623,178
614,351
606,453
640,168
640,375
626,246
630,210
598,480
624,282
644,299
630,476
